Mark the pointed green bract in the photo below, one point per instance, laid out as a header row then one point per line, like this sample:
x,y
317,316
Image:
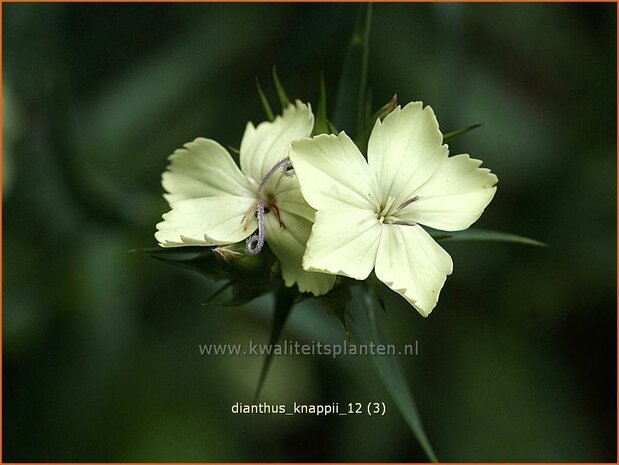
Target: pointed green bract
x,y
332,128
281,93
352,87
321,126
459,132
217,293
367,327
473,234
220,262
381,113
235,295
265,102
248,276
285,298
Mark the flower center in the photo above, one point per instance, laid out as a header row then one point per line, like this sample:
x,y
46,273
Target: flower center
x,y
383,214
388,215
265,204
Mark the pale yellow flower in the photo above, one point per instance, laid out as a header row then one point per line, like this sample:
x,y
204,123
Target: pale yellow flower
x,y
369,213
213,202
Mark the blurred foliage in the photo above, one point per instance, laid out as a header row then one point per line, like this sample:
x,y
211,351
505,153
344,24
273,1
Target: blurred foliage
x,y
517,363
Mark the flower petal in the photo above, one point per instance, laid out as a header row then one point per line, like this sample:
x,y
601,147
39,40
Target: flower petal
x,y
405,149
203,168
333,173
288,243
263,146
288,197
412,264
454,197
215,220
343,241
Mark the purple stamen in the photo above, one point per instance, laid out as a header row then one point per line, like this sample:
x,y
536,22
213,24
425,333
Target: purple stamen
x,y
404,223
283,163
407,203
254,243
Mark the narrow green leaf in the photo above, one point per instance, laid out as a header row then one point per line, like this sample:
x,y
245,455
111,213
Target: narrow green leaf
x,y
284,301
336,303
364,70
321,126
352,86
367,111
281,93
265,102
483,235
367,327
459,132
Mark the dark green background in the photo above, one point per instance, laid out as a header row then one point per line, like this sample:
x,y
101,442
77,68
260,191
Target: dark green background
x,y
100,354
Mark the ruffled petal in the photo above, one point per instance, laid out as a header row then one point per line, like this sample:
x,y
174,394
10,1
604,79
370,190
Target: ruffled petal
x,y
405,150
223,219
344,241
454,197
333,173
287,241
203,168
263,146
412,264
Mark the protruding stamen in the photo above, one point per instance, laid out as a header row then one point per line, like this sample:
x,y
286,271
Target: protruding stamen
x,y
283,163
254,243
404,223
406,203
